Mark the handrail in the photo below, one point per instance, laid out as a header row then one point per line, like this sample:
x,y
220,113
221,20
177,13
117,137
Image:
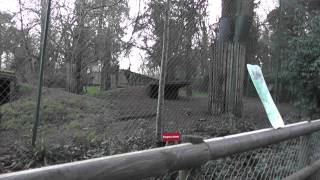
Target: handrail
x,y
154,162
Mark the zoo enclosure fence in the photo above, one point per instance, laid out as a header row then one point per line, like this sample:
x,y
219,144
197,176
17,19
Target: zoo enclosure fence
x,y
291,152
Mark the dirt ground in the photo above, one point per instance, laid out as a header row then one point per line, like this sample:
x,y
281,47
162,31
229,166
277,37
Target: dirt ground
x,y
75,127
187,115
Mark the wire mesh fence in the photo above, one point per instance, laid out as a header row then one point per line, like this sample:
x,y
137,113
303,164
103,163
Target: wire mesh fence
x,y
273,162
90,98
7,87
276,161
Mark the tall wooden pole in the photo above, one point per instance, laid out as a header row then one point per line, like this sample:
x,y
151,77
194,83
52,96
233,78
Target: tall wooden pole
x,y
163,72
42,55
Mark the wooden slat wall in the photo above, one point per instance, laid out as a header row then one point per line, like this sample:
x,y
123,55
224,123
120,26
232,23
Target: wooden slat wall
x,y
227,76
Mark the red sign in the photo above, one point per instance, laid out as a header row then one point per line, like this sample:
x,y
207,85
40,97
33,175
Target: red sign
x,y
171,137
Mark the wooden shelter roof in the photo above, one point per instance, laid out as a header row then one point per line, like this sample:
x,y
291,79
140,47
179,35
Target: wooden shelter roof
x,y
7,74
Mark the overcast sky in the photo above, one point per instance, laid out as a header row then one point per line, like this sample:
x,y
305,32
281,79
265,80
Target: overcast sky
x,y
136,56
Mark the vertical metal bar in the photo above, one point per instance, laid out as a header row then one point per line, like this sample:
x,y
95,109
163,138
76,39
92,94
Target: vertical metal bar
x,y
40,80
163,72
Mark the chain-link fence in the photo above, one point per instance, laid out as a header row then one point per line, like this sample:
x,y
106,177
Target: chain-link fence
x,y
92,105
276,161
296,150
8,86
273,162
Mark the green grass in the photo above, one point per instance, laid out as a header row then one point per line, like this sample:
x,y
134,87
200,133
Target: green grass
x,y
20,114
182,92
80,135
199,94
25,89
93,90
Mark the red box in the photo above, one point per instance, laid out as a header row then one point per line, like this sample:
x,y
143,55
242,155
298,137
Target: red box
x,y
171,137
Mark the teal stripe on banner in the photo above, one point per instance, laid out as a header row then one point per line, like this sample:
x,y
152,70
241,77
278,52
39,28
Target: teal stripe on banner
x,y
265,96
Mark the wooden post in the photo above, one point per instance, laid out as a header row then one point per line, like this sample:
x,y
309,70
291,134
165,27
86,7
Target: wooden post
x,y
226,80
164,59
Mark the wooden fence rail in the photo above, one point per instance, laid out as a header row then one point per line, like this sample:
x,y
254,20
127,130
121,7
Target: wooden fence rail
x,y
155,162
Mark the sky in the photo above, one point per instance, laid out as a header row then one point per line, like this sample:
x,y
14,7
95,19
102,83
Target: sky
x,y
8,5
136,56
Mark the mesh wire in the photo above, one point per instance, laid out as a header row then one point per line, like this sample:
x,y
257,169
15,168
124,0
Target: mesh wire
x,y
272,162
6,91
127,110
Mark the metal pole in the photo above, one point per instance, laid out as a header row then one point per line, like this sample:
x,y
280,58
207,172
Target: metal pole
x,y
163,72
42,55
159,161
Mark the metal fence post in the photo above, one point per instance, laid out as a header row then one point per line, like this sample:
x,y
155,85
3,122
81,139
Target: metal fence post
x,y
162,79
42,55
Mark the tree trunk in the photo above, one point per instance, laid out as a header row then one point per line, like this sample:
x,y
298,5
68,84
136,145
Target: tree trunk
x,y
105,82
74,76
188,49
204,50
74,73
70,68
171,70
228,66
189,71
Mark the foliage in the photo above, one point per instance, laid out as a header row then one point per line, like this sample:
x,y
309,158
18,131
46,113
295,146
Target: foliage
x,y
83,34
299,57
199,94
188,38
